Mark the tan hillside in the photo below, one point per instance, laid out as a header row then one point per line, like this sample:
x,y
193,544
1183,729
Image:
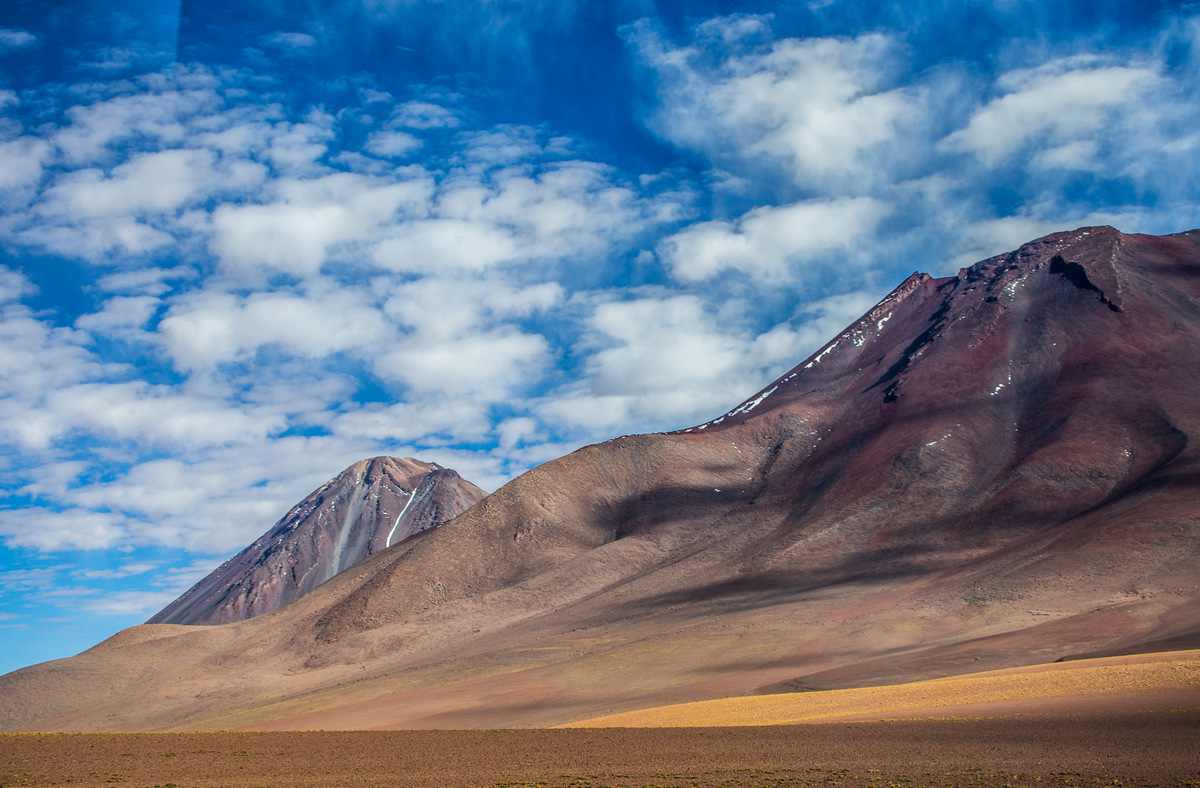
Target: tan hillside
x,y
1119,684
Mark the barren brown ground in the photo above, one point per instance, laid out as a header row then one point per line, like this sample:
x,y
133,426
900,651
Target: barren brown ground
x,y
1145,682
1108,750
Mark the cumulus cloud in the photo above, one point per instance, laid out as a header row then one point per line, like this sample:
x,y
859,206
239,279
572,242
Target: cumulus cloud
x,y
1067,110
290,40
668,361
47,529
522,215
389,144
773,242
268,309
943,163
15,38
23,165
156,182
126,603
494,362
202,330
424,115
271,300
154,118
309,218
829,109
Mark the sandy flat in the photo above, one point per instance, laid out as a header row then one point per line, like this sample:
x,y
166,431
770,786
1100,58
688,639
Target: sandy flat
x,y
1145,682
1092,750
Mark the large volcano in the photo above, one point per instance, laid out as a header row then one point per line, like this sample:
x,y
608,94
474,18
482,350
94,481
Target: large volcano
x,y
987,470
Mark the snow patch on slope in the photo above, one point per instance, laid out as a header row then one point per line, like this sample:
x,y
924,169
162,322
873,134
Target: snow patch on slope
x,y
395,525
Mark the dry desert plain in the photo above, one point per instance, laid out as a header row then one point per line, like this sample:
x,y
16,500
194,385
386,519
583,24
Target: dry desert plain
x,y
1122,722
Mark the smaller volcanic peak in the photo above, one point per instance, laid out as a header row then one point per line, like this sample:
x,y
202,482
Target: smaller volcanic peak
x,y
368,507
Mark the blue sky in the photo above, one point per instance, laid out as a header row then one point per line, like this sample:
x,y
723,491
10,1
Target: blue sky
x,y
243,245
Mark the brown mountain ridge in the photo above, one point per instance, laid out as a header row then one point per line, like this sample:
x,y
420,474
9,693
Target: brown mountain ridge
x,y
987,470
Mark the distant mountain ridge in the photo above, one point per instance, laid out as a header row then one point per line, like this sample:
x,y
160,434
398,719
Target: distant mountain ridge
x,y
368,507
987,470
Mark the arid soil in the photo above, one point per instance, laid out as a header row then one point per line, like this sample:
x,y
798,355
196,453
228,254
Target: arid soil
x,y
1134,750
1166,682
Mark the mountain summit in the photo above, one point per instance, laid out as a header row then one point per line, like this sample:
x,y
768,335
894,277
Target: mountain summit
x,y
366,508
987,470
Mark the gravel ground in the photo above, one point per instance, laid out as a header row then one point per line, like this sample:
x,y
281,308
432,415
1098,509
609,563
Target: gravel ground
x,y
1127,750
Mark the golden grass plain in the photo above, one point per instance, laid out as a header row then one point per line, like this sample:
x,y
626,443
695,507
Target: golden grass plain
x,y
1160,681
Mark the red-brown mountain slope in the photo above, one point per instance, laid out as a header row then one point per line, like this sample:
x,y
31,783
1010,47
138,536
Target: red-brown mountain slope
x,y
366,508
994,469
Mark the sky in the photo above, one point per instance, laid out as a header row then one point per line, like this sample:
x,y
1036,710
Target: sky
x,y
246,244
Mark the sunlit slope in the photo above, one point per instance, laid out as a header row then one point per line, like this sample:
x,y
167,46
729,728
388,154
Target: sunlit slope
x,y
1166,679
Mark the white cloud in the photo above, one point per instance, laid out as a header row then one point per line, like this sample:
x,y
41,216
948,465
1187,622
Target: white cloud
x,y
36,359
424,115
120,316
21,165
254,400
659,361
517,431
452,306
430,420
662,361
15,38
1060,107
571,209
148,281
156,415
208,328
128,603
148,183
13,287
433,245
125,570
297,148
45,529
392,144
663,344
97,241
155,117
774,243
826,108
290,40
310,218
492,362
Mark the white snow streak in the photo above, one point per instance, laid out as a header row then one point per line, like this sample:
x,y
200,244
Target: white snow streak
x,y
824,353
396,524
749,406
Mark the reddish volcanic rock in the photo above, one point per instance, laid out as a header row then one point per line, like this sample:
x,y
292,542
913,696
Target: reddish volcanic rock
x,y
368,507
987,470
